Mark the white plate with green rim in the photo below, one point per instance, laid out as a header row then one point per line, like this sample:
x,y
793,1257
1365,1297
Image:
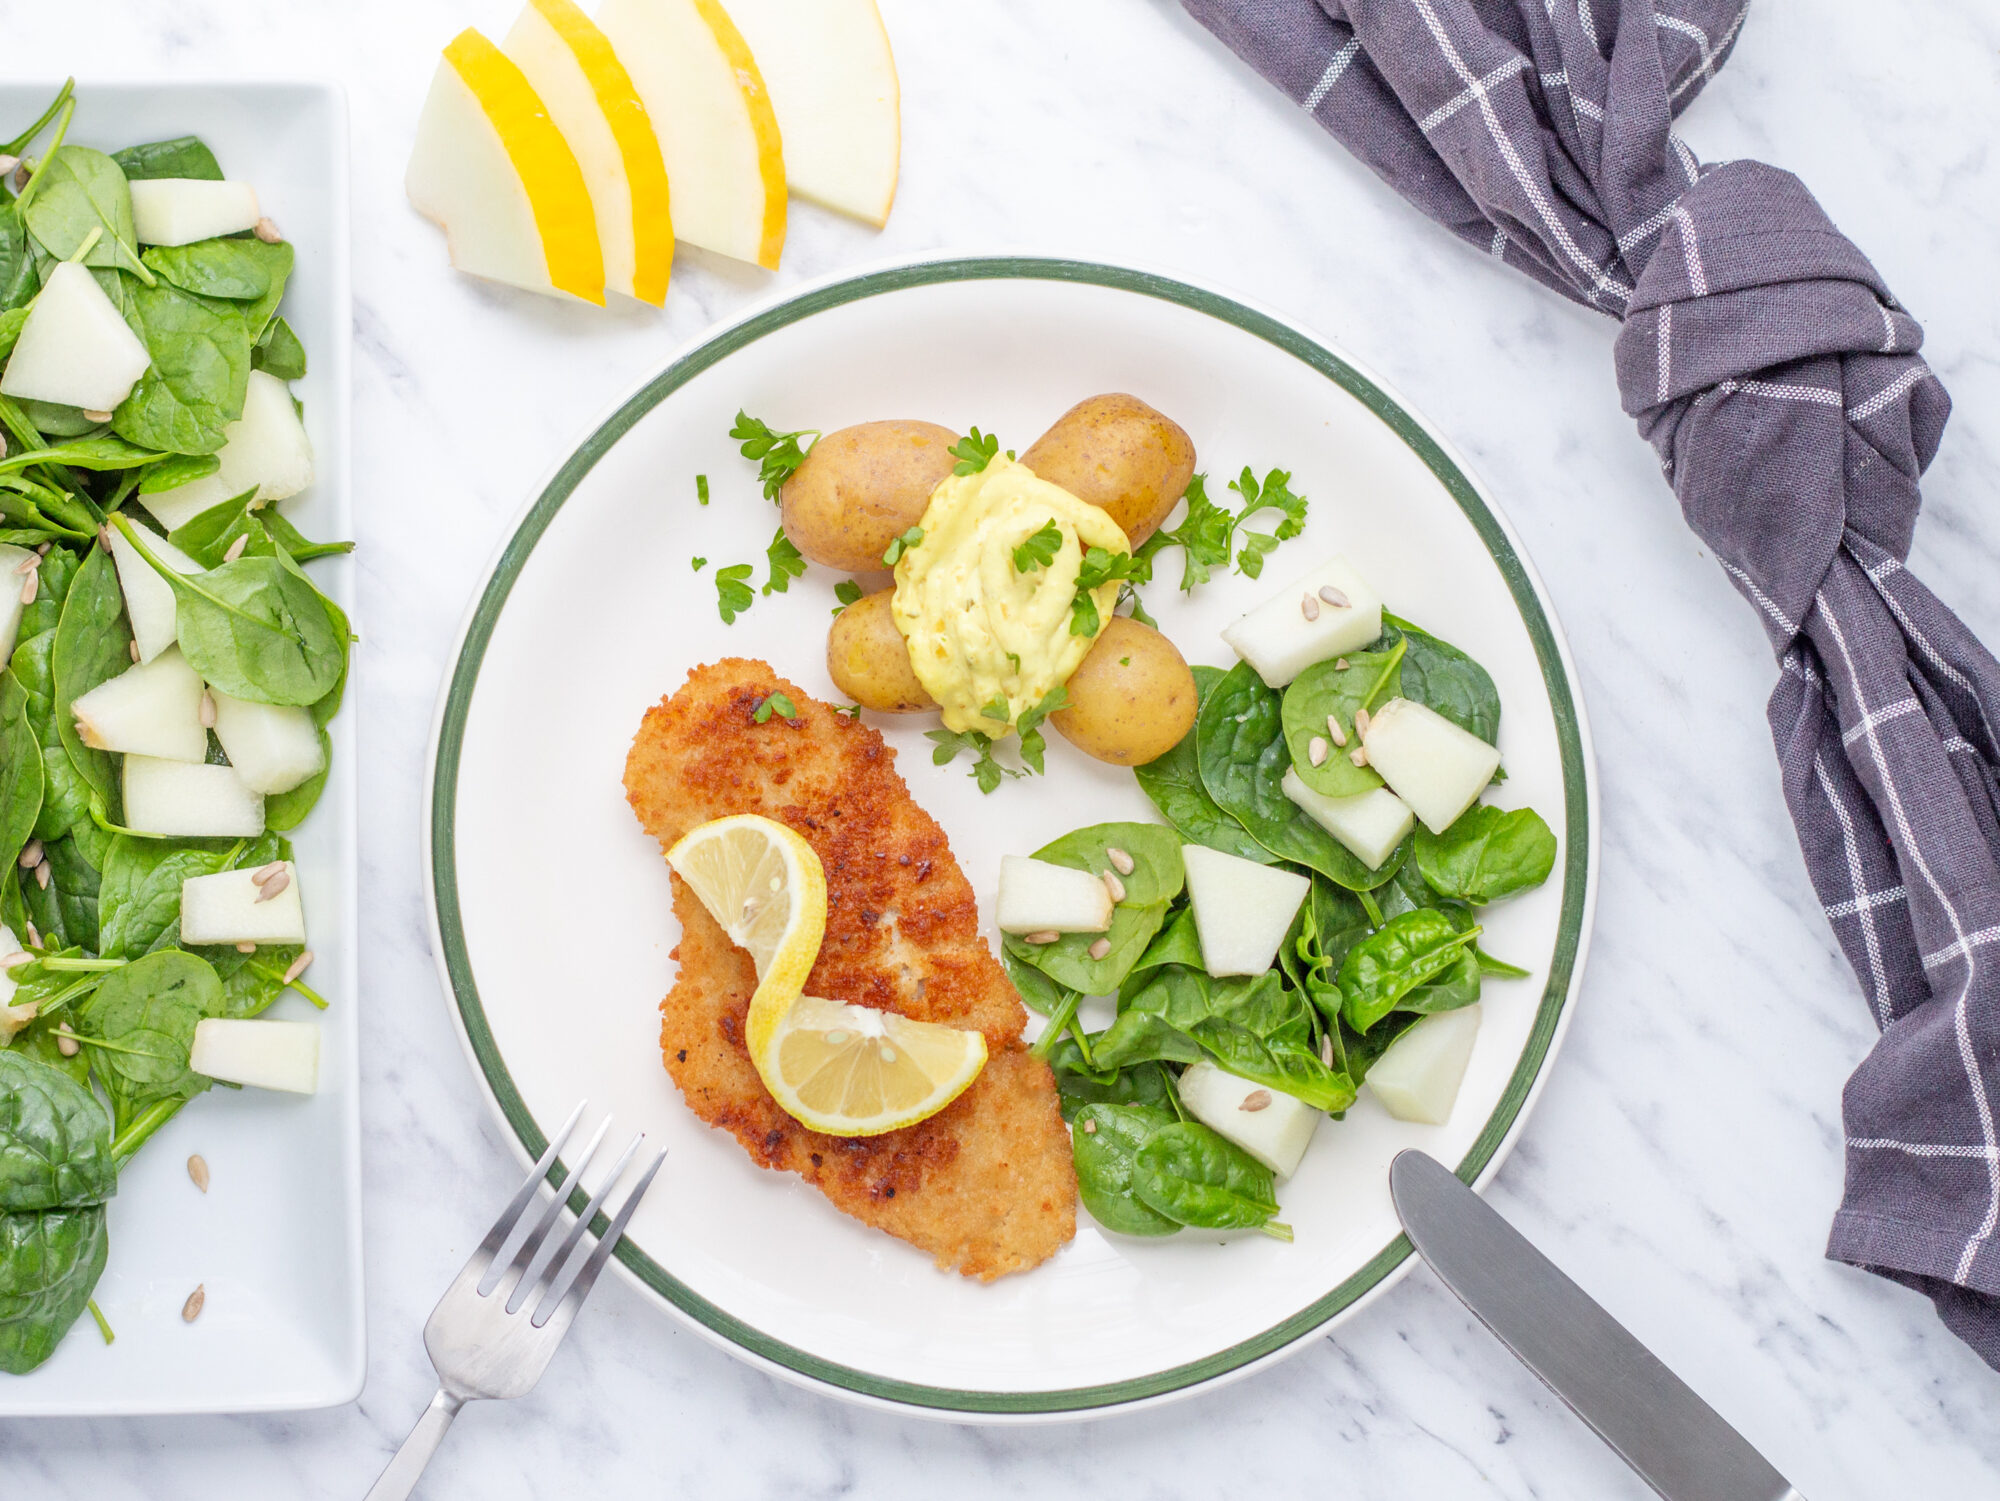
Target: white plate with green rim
x,y
553,925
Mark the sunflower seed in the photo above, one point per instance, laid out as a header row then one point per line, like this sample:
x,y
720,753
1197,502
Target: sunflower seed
x,y
31,588
198,1171
1099,949
1121,861
23,170
34,936
1115,886
1334,597
264,873
8,164
104,537
235,549
1316,750
1090,1128
246,948
91,414
1340,664
43,550
29,564
1046,935
1358,756
3,454
268,889
1326,1050
132,649
1334,732
66,1042
206,713
191,1310
1257,1099
1309,607
16,959
42,874
267,231
1361,723
299,965
31,855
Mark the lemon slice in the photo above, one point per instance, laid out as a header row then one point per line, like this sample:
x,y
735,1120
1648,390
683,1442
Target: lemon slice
x,y
856,1071
765,886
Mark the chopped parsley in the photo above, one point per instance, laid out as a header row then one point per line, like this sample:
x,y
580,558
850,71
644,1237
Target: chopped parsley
x,y
787,563
1212,536
902,545
699,563
1039,550
987,769
701,489
1099,568
777,703
848,593
777,455
1275,494
733,594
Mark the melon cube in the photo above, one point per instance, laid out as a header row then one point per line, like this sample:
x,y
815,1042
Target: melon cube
x,y
150,709
274,747
194,802
1320,615
1272,1126
13,583
149,599
76,349
1417,1078
265,450
1037,897
230,907
1429,762
1242,910
181,210
262,1054
1369,825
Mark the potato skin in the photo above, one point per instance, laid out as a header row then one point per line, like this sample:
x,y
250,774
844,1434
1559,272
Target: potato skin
x,y
1120,455
862,487
868,661
1132,699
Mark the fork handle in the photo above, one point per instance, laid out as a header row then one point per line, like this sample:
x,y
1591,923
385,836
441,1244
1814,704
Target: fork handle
x,y
401,1477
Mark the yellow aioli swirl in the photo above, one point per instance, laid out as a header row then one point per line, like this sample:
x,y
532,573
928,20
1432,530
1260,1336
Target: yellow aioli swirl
x,y
979,631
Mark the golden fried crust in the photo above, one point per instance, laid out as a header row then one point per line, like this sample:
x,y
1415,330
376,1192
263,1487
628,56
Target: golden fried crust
x,y
986,1185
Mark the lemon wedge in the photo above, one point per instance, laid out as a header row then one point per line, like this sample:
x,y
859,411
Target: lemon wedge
x,y
856,1071
765,886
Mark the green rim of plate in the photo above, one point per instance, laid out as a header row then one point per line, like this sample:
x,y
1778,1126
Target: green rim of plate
x,y
479,631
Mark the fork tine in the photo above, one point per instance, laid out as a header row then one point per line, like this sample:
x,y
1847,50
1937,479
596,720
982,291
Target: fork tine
x,y
532,1223
574,1281
554,1245
525,1194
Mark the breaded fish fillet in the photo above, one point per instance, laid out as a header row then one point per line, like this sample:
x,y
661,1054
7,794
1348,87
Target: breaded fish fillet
x,y
985,1186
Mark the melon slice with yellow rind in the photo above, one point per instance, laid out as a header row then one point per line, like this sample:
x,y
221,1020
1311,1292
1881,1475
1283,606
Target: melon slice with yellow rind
x,y
591,98
491,168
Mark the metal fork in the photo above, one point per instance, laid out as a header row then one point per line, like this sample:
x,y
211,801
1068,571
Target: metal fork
x,y
485,1337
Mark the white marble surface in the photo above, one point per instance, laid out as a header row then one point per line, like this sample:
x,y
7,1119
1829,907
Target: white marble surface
x,y
1685,1156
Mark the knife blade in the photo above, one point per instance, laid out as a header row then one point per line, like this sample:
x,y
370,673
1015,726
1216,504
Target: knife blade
x,y
1677,1443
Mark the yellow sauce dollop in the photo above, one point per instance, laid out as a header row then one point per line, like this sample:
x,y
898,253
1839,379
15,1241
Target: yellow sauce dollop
x,y
979,632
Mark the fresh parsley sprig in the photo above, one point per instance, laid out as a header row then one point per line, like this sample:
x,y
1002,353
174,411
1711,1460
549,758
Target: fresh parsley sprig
x,y
1039,550
778,704
987,769
902,545
848,593
1212,536
1274,494
975,451
787,563
777,455
1099,568
733,594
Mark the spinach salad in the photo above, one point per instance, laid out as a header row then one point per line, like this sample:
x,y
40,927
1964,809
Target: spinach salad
x,y
169,673
1372,949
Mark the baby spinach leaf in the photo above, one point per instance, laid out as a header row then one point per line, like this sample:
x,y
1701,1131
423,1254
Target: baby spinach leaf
x,y
21,775
1174,784
1487,853
183,156
1038,992
1404,953
278,352
1240,746
1105,1141
91,647
1194,1176
147,1013
230,270
81,190
1079,1084
103,452
1177,943
66,909
194,388
1156,879
14,319
55,1140
18,281
65,795
139,897
177,469
255,628
49,1264
1439,676
1335,690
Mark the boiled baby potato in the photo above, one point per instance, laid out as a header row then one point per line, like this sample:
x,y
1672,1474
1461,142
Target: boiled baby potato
x,y
1120,455
868,660
1132,699
861,488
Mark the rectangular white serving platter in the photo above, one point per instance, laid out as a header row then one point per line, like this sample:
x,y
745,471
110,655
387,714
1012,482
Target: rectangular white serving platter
x,y
276,1240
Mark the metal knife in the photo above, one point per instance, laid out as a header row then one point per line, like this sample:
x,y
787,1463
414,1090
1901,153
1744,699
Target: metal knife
x,y
1678,1444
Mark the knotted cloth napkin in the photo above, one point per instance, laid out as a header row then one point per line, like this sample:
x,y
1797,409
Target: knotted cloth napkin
x,y
1780,383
